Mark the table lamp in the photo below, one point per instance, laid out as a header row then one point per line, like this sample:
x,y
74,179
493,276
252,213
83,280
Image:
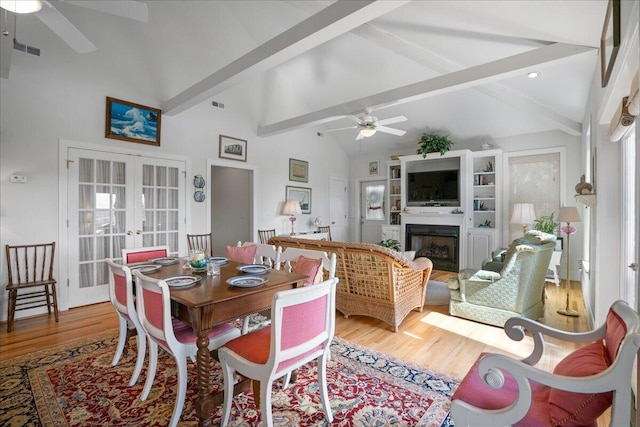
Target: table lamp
x,y
568,214
523,214
292,207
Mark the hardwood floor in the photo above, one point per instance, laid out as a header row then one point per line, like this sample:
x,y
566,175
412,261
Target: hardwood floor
x,y
430,338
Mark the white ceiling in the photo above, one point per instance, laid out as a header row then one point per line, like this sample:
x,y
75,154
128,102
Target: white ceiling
x,y
396,57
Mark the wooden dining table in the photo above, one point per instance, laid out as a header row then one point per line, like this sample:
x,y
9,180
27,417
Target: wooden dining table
x,y
212,301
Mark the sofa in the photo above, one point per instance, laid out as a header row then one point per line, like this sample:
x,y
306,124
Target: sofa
x,y
374,281
511,288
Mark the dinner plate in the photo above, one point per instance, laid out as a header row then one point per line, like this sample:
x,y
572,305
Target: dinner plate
x,y
247,281
165,260
180,281
219,259
145,268
253,268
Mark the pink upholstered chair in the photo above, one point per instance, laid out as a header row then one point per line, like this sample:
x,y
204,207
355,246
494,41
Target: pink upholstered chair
x,y
302,328
173,335
297,260
500,390
242,254
130,256
121,295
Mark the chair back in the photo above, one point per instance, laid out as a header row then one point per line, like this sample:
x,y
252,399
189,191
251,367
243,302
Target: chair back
x,y
302,324
121,289
203,242
30,263
130,256
266,254
290,257
153,302
265,235
325,229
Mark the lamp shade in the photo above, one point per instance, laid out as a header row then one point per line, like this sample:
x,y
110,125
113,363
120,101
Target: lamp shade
x,y
523,213
569,214
292,207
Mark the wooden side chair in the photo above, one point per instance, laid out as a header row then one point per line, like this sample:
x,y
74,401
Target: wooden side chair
x,y
30,267
271,353
203,242
265,235
325,229
174,336
144,254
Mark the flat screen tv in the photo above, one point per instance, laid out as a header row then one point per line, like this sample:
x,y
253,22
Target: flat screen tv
x,y
433,188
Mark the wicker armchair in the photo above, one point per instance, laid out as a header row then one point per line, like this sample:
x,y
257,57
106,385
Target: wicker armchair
x,y
374,281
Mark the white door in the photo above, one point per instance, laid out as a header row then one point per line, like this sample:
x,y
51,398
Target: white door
x,y
630,216
118,201
372,210
338,209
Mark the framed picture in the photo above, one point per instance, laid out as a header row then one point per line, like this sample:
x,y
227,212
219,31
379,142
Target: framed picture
x,y
131,122
373,168
610,40
233,148
300,194
298,170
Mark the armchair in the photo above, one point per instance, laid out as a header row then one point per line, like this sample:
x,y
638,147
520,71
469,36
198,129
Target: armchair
x,y
515,290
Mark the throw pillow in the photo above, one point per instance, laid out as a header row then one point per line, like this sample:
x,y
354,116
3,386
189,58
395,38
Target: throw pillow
x,y
309,267
570,409
616,331
242,254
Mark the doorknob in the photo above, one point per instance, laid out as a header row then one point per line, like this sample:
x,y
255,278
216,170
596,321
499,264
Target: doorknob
x,y
138,232
129,233
634,266
333,222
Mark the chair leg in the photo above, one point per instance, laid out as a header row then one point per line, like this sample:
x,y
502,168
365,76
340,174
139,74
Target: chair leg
x,y
322,385
13,294
151,372
142,348
122,340
55,300
181,362
265,403
228,375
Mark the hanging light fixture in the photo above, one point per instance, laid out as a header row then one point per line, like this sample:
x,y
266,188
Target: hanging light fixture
x,y
368,131
21,6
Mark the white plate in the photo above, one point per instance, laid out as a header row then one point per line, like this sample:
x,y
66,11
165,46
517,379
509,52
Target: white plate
x,y
145,268
219,259
166,260
180,281
247,281
253,268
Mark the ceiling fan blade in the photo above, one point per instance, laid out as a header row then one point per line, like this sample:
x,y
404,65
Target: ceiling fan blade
x,y
355,119
60,25
392,120
127,9
350,127
392,131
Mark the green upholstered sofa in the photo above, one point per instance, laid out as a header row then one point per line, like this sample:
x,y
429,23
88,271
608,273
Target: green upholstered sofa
x,y
517,289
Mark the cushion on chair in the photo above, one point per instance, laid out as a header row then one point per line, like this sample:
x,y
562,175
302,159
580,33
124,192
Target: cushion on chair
x,y
184,332
242,254
254,346
143,256
571,409
616,331
309,267
537,237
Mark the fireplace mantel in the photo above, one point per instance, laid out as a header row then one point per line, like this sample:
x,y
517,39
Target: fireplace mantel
x,y
435,218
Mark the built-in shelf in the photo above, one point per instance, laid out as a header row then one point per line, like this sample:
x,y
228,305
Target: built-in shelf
x,y
587,199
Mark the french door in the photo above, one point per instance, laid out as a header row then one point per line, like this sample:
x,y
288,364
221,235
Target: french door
x,y
118,201
372,210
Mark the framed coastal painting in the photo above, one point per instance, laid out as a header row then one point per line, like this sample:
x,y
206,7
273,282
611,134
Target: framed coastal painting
x,y
373,168
298,170
233,148
132,122
300,194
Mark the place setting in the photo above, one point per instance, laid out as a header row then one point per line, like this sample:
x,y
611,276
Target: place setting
x,y
252,276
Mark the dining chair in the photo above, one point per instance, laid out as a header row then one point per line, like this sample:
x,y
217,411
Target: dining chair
x,y
123,300
265,235
144,254
325,229
302,328
203,242
173,335
309,262
30,267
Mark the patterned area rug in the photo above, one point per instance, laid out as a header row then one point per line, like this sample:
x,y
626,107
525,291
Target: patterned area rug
x,y
75,385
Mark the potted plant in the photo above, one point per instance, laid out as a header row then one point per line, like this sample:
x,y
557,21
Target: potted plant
x,y
391,244
546,223
430,143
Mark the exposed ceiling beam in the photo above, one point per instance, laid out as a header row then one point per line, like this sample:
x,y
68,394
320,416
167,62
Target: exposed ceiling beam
x,y
338,18
463,79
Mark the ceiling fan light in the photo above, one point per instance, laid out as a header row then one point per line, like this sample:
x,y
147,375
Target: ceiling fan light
x,y
367,132
21,6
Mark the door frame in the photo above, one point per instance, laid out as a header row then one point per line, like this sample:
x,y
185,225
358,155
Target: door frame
x,y
358,203
63,245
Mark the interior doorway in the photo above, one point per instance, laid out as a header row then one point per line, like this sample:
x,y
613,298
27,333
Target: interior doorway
x,y
372,210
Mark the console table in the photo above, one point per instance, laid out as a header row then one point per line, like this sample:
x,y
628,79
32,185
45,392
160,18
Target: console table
x,y
311,235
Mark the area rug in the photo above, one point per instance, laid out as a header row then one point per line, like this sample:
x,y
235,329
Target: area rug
x,y
75,385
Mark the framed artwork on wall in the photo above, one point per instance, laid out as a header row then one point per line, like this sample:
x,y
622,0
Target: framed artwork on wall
x,y
132,122
373,168
232,148
298,170
610,40
300,194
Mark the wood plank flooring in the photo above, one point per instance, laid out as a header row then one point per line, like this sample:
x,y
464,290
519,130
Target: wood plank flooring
x,y
431,338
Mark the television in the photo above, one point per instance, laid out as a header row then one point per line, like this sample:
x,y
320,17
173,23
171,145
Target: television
x,y
433,188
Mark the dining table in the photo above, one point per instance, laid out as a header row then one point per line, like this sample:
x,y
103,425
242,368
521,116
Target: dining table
x,y
210,301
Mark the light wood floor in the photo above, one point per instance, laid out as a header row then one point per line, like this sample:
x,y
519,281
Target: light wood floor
x,y
431,338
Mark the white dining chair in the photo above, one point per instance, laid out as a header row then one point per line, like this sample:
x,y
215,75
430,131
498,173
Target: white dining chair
x,y
144,254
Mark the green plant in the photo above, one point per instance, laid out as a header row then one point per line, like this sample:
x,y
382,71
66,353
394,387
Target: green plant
x,y
429,143
391,244
546,223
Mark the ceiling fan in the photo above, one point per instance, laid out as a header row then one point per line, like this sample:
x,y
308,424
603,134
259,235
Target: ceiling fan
x,y
368,125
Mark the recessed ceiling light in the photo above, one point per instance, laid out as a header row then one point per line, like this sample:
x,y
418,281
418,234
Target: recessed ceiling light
x,y
534,74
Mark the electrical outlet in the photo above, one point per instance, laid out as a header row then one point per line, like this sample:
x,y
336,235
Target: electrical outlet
x,y
18,179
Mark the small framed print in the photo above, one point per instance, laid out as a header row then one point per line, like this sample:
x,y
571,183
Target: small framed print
x,y
298,170
131,122
233,148
373,168
299,194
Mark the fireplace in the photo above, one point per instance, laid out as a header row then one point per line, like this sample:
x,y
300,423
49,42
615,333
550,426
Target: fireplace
x,y
439,243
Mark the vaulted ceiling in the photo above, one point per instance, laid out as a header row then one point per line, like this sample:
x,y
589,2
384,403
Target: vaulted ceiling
x,y
457,67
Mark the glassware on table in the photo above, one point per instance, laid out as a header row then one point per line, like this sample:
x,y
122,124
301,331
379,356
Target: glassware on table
x,y
198,260
213,268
